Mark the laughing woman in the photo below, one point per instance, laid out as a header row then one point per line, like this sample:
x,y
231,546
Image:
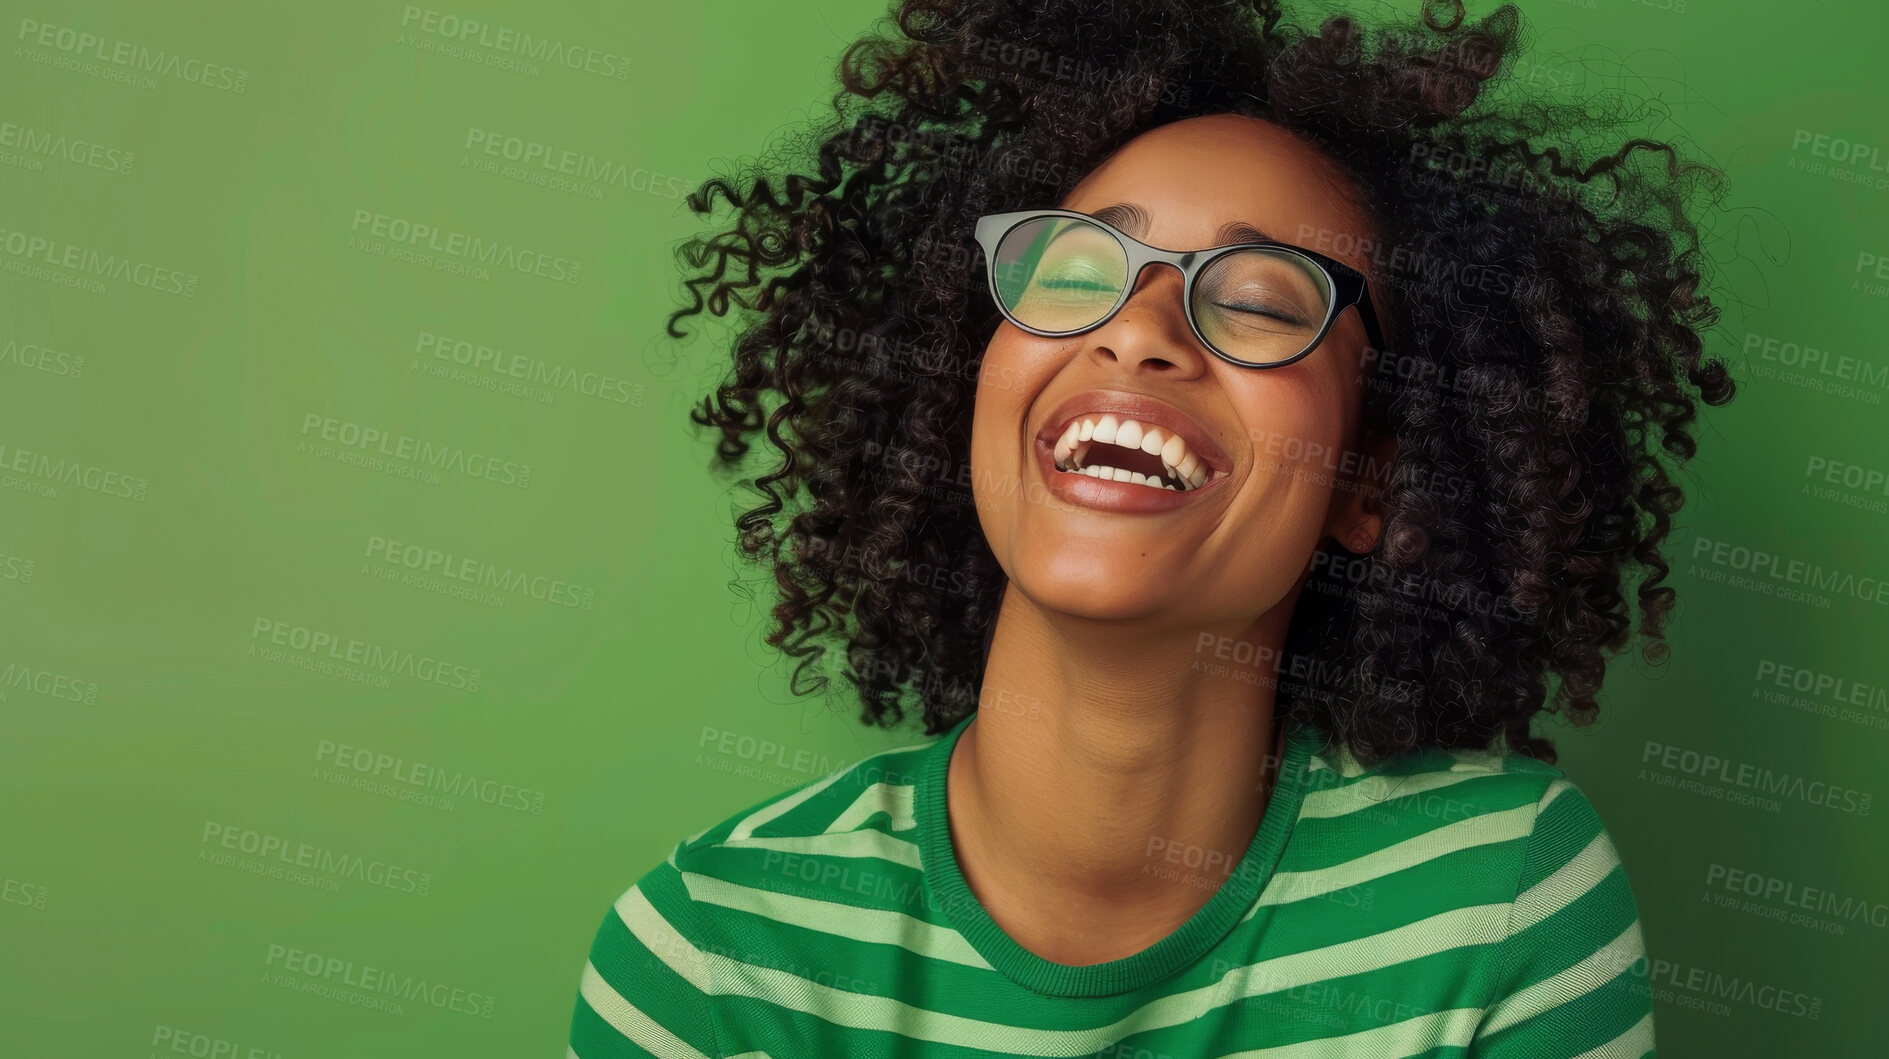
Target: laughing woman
x,y
1224,438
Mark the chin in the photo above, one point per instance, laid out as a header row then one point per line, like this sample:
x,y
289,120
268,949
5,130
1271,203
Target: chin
x,y
1077,584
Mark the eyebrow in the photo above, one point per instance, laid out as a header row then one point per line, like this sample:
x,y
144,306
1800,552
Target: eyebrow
x,y
1133,219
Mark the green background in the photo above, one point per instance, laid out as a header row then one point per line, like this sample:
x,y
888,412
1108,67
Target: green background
x,y
614,695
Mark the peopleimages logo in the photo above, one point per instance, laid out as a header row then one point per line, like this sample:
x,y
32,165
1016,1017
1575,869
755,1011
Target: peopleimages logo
x,y
1797,895
473,33
40,250
46,472
17,676
422,775
366,440
465,568
574,164
271,854
534,370
32,357
125,55
418,235
325,975
1705,988
177,1040
1788,571
41,143
1747,777
321,645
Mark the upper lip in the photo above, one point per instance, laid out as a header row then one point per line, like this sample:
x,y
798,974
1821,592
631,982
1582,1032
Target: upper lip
x,y
1142,408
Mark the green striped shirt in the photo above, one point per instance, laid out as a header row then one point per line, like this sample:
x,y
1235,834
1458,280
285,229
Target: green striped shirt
x,y
1438,904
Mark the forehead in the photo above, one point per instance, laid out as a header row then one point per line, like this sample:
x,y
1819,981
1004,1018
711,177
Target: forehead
x,y
1191,177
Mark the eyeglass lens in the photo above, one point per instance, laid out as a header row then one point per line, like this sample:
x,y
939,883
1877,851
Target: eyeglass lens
x,y
1064,274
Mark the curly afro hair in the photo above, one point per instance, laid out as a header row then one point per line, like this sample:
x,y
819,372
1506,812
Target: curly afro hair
x,y
1546,298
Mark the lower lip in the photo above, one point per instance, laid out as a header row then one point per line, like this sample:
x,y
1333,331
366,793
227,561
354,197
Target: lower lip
x,y
1125,497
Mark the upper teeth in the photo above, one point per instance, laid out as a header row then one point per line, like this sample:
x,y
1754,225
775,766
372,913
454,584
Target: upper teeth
x,y
1176,458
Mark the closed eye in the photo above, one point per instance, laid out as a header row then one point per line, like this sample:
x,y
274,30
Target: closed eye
x,y
1261,310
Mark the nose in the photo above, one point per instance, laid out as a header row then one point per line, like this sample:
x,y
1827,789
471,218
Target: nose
x,y
1151,327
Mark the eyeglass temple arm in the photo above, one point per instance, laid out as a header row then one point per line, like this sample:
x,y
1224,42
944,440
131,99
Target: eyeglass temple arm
x,y
1367,311
1369,314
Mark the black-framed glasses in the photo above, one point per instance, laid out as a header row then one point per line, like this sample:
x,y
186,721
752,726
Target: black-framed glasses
x,y
1057,273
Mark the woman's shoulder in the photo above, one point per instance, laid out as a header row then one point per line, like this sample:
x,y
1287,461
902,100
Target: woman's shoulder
x,y
870,792
1476,778
727,898
1506,803
862,809
1514,844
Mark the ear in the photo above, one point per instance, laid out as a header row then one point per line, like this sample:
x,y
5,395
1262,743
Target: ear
x,y
1356,518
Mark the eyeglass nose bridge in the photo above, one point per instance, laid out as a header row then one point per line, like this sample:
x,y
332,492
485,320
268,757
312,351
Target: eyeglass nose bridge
x,y
1140,256
1186,262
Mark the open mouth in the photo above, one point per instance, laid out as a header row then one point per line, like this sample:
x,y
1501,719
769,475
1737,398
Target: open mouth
x,y
1116,448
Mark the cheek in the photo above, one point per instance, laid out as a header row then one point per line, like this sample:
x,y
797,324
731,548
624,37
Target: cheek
x,y
1005,369
1295,435
994,415
1288,417
1007,379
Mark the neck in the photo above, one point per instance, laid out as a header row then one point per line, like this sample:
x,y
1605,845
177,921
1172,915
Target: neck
x,y
1114,775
